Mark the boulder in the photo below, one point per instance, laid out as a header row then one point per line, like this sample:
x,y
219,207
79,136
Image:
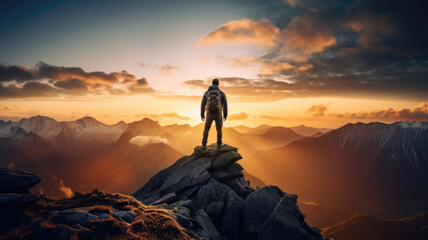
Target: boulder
x,y
58,233
73,216
259,205
232,219
186,175
15,198
286,222
209,196
168,198
208,193
181,212
16,181
215,208
207,229
127,216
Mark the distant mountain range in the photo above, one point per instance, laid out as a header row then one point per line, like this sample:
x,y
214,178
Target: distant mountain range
x,y
301,130
87,154
363,226
372,167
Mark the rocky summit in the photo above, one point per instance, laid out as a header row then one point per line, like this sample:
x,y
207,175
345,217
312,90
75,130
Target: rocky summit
x,y
209,196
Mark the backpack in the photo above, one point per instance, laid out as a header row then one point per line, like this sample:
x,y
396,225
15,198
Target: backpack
x,y
213,104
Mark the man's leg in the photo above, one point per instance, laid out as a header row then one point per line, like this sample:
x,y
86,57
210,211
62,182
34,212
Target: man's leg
x,y
208,121
219,126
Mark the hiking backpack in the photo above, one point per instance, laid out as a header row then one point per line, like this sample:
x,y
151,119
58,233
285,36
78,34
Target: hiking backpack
x,y
213,104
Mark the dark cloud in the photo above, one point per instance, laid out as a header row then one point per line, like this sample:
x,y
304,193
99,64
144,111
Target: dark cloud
x,y
29,89
417,113
48,80
356,49
72,83
14,73
268,90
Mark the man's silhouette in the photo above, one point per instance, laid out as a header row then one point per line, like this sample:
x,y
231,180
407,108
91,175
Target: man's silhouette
x,y
213,101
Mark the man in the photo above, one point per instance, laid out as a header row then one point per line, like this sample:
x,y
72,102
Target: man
x,y
213,101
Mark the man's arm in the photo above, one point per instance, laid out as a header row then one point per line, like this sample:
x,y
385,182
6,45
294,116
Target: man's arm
x,y
224,106
203,103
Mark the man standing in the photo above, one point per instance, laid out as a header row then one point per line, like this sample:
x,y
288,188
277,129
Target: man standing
x,y
213,101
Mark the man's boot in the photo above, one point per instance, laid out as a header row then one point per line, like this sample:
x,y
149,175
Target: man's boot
x,y
219,145
204,146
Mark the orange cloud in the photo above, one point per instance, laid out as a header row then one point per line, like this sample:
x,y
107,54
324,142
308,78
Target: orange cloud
x,y
303,37
262,33
318,110
238,116
276,67
167,69
164,116
291,2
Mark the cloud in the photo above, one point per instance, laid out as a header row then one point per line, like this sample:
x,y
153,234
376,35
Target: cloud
x,y
238,116
15,72
291,2
370,27
146,140
416,113
303,37
318,110
262,33
269,90
272,117
354,49
46,80
68,193
167,69
5,108
165,116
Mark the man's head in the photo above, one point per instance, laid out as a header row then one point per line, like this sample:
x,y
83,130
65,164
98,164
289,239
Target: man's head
x,y
215,81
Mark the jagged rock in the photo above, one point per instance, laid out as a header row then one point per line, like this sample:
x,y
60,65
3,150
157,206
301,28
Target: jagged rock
x,y
58,233
209,196
186,175
181,212
286,222
239,186
259,205
73,216
210,192
232,216
231,172
170,197
127,216
208,229
15,198
215,208
16,181
223,160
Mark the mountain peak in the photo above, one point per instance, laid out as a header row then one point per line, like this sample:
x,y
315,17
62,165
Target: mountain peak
x,y
209,188
88,121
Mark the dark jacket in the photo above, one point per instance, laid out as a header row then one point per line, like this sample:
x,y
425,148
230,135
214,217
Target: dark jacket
x,y
223,101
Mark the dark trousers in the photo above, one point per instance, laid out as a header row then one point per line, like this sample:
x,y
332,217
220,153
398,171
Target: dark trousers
x,y
218,124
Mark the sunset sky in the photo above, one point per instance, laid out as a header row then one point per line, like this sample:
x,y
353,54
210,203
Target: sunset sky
x,y
291,62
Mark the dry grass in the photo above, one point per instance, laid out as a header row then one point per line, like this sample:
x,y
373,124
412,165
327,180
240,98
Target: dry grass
x,y
150,222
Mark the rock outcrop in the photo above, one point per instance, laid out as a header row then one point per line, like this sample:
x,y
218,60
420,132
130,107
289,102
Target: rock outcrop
x,y
209,196
95,215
